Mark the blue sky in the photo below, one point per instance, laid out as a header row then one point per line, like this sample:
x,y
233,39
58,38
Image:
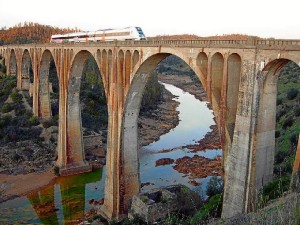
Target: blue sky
x,y
265,18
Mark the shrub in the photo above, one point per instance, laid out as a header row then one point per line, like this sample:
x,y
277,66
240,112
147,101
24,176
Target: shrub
x,y
288,122
3,69
279,101
211,209
16,97
277,133
297,111
294,138
292,93
274,189
34,120
215,186
7,108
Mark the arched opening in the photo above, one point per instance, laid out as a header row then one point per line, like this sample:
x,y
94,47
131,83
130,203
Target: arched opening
x,y
233,82
217,64
87,111
202,63
277,127
127,77
2,64
27,73
133,139
135,58
48,88
13,63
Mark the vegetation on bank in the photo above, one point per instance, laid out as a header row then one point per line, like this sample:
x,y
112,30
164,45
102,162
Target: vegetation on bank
x,y
15,120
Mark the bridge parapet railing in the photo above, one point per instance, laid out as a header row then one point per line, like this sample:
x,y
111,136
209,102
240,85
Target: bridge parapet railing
x,y
184,43
278,43
251,42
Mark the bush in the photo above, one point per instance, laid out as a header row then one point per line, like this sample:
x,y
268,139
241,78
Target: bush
x,y
274,189
215,186
7,108
277,133
294,138
3,69
297,111
292,93
288,122
16,97
279,101
34,121
211,209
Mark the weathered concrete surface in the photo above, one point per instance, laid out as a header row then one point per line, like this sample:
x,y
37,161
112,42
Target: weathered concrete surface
x,y
239,77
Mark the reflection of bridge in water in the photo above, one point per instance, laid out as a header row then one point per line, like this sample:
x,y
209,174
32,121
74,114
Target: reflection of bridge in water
x,y
239,77
71,197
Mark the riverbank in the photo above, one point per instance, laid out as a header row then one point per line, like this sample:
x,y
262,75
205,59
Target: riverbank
x,y
13,186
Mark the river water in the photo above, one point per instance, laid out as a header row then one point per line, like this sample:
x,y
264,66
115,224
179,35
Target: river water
x,y
70,197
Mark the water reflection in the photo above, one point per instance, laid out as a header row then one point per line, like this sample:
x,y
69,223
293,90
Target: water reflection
x,y
195,119
43,204
65,202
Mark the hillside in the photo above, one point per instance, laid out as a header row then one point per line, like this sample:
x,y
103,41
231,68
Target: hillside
x,y
196,37
29,32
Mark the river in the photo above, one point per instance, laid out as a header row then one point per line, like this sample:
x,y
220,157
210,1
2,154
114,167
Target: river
x,y
70,197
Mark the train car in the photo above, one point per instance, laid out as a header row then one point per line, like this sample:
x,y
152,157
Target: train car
x,y
128,33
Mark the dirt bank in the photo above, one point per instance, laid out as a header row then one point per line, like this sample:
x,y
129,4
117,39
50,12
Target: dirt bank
x,y
19,185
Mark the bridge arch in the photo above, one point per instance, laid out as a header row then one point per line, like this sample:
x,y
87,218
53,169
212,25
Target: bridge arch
x,y
13,66
27,77
128,62
202,64
232,88
73,120
130,124
217,66
44,89
265,125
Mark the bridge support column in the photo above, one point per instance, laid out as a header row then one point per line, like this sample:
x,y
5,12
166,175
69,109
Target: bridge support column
x,y
239,156
122,176
70,143
113,207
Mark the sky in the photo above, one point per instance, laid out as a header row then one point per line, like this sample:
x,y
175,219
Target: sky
x,y
264,18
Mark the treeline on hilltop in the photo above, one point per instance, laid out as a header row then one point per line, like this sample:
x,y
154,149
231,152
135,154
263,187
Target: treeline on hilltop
x,y
196,37
29,32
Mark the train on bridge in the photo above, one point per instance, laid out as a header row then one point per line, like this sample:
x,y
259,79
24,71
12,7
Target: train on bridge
x,y
128,33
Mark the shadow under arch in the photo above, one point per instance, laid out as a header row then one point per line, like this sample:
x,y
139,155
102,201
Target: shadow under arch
x,y
232,89
75,153
13,67
75,157
45,87
217,65
27,77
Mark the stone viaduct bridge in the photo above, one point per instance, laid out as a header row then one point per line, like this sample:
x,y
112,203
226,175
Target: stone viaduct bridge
x,y
240,79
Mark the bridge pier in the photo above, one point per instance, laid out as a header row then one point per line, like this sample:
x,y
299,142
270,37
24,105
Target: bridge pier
x,y
71,158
